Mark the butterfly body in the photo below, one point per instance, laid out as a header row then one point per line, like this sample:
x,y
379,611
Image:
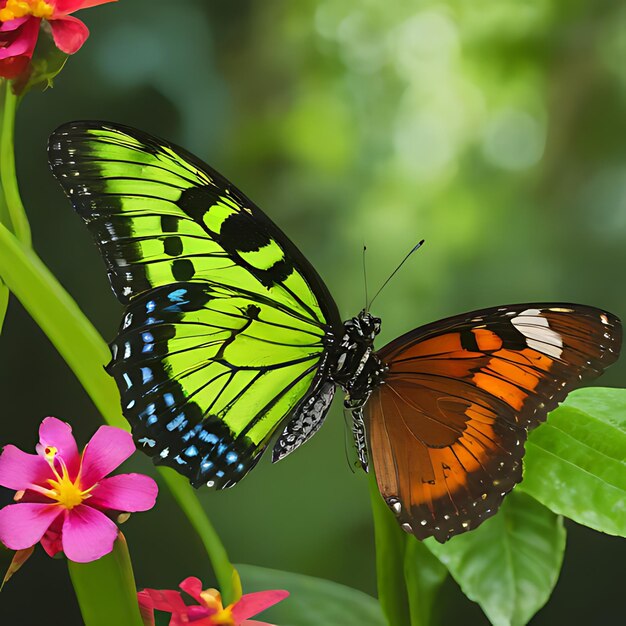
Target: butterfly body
x,y
357,368
231,342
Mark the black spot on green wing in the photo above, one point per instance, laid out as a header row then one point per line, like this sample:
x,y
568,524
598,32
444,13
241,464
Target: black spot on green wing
x,y
173,246
196,200
239,235
183,269
169,224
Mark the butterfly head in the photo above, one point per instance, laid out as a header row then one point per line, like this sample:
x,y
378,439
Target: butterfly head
x,y
368,324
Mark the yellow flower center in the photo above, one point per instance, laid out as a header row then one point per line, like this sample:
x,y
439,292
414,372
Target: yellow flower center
x,y
63,489
21,8
213,600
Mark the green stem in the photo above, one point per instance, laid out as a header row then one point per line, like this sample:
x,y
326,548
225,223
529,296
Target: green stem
x,y
84,350
424,575
16,213
185,497
58,315
106,590
6,220
390,548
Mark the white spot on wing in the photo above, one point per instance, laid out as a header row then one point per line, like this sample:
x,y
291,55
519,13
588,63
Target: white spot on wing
x,y
539,335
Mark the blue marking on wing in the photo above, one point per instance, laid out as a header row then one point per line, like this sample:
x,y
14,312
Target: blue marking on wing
x,y
177,296
146,374
208,437
178,422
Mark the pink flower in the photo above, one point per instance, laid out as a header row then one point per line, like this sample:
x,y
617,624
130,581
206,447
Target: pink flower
x,y
209,611
19,29
63,498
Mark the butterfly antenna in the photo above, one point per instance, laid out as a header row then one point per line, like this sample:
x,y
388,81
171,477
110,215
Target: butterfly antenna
x,y
365,275
416,247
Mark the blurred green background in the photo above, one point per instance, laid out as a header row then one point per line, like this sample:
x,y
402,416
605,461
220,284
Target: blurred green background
x,y
494,130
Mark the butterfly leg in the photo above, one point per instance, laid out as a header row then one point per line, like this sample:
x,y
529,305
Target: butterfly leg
x,y
360,441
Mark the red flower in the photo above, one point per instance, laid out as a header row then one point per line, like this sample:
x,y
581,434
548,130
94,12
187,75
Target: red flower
x,y
209,611
19,29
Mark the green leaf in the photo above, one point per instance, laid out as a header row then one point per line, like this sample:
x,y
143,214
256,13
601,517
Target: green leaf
x,y
510,564
312,601
58,315
390,549
424,575
105,588
574,462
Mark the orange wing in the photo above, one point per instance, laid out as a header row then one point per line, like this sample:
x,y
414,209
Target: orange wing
x,y
446,430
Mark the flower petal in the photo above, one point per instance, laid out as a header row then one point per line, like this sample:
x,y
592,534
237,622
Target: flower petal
x,y
19,470
13,66
146,608
14,24
51,541
69,33
55,433
63,7
87,535
22,525
125,492
197,614
193,587
20,42
107,450
162,600
253,603
253,622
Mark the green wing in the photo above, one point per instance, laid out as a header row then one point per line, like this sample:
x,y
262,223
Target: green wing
x,y
223,336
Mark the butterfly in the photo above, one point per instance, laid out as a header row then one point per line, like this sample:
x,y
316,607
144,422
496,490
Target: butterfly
x,y
231,341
